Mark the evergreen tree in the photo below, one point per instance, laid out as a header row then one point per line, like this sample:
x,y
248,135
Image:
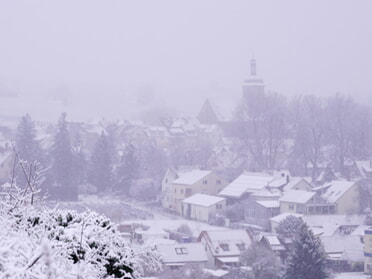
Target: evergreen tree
x,y
289,226
26,145
99,172
127,169
79,161
28,152
307,259
62,155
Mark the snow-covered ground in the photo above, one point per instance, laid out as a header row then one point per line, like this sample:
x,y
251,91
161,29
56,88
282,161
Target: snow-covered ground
x,y
128,212
351,275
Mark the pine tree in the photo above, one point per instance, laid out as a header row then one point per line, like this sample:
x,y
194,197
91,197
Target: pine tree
x,y
127,169
62,155
289,226
307,259
26,145
29,155
99,172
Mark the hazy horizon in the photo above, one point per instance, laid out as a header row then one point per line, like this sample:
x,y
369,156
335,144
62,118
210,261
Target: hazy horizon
x,y
94,59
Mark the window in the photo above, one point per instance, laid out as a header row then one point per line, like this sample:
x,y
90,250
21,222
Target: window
x,y
205,181
225,247
181,191
241,246
166,180
219,206
291,206
175,190
188,191
218,182
181,251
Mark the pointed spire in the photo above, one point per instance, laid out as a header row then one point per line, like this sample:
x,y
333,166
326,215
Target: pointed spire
x,y
253,67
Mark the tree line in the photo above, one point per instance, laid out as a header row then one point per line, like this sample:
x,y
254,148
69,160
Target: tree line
x,y
108,167
279,132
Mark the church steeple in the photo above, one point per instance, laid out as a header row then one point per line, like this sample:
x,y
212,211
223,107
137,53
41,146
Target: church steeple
x,y
253,67
254,85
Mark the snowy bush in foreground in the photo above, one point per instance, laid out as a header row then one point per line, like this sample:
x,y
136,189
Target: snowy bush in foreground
x,y
43,243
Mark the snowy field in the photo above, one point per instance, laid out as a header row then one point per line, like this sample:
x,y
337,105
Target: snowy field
x,y
129,212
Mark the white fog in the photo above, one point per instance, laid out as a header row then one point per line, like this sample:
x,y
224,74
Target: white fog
x,y
186,139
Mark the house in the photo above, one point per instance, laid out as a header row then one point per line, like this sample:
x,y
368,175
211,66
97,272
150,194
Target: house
x,y
368,250
159,135
166,187
179,254
6,166
345,195
224,247
150,233
298,183
245,184
329,225
305,202
345,252
193,182
260,212
272,242
361,169
201,206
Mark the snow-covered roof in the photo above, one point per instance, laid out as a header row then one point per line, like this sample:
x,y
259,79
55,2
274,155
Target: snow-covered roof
x,y
203,200
333,220
281,217
5,156
267,193
297,196
216,273
351,275
364,166
272,239
247,182
278,182
268,204
294,182
360,230
191,177
153,231
227,242
337,190
181,253
349,247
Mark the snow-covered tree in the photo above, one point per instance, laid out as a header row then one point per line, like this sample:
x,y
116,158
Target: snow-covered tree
x,y
62,155
261,126
38,242
307,259
289,226
26,143
127,169
100,165
26,148
265,263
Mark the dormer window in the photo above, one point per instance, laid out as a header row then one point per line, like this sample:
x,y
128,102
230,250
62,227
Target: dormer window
x,y
225,247
181,251
241,246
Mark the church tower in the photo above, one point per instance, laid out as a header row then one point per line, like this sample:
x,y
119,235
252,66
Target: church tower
x,y
253,86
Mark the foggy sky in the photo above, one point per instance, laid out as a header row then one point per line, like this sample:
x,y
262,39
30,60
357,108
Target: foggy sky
x,y
123,54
